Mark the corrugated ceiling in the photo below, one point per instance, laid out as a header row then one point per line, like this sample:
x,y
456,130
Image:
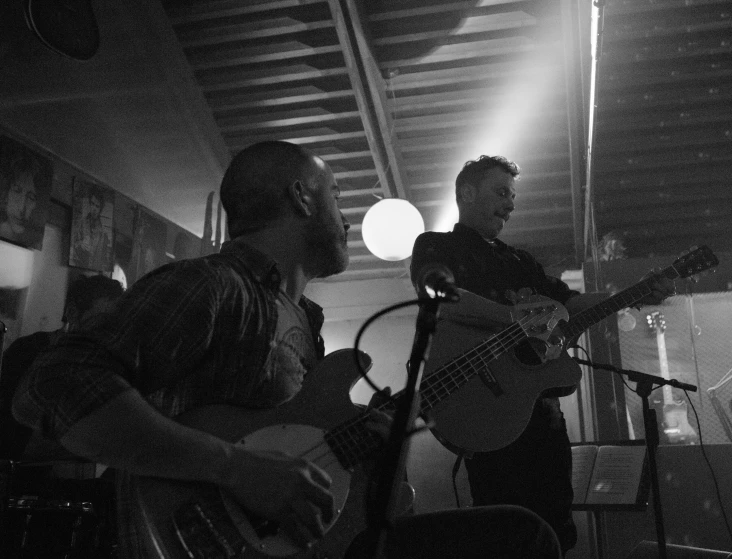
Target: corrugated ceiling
x,y
396,95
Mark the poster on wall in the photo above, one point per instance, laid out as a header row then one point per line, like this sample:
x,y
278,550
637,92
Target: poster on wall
x,y
91,226
182,244
125,217
25,194
148,249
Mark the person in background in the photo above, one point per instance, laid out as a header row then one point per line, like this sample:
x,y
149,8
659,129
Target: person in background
x,y
535,471
87,300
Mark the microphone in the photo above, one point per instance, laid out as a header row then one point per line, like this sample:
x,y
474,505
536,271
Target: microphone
x,y
437,281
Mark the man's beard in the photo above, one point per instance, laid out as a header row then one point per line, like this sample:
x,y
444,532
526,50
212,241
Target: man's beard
x,y
328,249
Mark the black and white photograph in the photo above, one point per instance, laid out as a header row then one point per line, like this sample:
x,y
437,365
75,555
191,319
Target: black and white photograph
x,y
91,226
25,193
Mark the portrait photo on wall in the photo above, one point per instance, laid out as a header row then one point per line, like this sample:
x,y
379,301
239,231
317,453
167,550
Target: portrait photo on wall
x,y
25,193
91,226
148,249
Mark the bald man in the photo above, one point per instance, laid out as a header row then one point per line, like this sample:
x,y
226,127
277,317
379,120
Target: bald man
x,y
231,328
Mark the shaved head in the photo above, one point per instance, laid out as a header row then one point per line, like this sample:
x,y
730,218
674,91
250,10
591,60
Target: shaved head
x,y
254,188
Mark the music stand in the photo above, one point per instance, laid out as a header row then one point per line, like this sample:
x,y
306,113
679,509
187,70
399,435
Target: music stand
x,y
644,387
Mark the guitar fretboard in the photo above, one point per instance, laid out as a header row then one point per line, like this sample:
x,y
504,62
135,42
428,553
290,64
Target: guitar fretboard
x,y
696,261
624,299
352,442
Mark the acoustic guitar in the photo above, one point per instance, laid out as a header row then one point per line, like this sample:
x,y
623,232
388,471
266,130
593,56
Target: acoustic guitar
x,y
495,405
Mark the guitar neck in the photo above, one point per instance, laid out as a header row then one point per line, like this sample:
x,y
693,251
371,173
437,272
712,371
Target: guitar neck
x,y
626,298
352,442
663,362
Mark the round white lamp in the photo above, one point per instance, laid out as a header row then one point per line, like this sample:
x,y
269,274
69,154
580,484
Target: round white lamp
x,y
390,227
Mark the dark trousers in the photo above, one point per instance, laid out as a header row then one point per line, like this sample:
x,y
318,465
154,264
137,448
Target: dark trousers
x,y
534,472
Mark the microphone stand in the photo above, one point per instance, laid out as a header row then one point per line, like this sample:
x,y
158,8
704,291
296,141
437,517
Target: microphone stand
x,y
644,387
393,461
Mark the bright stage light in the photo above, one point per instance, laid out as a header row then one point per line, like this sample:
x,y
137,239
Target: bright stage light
x,y
390,227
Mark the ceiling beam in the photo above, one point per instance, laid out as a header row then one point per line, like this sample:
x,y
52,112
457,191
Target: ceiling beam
x,y
370,93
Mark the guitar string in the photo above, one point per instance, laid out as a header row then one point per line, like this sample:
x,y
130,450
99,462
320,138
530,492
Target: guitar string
x,y
346,444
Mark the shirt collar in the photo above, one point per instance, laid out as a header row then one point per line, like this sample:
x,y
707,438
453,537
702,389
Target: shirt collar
x,y
262,266
471,234
265,271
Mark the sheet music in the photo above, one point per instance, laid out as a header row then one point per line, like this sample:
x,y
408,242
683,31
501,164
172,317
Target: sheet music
x,y
583,460
617,475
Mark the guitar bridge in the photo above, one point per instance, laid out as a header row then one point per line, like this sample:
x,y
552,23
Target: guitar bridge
x,y
206,532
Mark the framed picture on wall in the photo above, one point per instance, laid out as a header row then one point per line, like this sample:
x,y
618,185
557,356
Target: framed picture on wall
x,y
25,193
91,226
148,250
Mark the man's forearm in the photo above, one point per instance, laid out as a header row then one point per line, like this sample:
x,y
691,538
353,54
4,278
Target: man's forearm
x,y
130,434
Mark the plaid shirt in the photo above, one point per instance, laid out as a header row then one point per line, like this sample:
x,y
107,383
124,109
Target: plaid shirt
x,y
190,333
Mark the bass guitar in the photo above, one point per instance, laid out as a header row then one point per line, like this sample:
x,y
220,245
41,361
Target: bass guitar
x,y
495,404
184,519
676,426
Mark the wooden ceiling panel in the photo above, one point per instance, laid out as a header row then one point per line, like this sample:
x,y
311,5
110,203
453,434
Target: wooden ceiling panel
x,y
665,125
392,95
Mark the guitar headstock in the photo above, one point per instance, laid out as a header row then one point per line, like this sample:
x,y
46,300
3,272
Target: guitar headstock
x,y
695,261
656,322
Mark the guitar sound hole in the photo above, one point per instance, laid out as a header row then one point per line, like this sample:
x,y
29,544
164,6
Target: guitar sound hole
x,y
531,352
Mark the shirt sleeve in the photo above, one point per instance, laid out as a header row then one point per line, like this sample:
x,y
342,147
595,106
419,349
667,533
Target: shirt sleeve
x,y
549,286
427,250
161,330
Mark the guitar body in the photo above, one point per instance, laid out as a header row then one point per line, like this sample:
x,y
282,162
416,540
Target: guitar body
x,y
297,428
65,26
494,407
676,424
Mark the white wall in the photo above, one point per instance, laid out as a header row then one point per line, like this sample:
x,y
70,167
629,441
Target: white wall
x,y
49,281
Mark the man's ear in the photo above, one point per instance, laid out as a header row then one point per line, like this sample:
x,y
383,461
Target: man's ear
x,y
301,197
467,193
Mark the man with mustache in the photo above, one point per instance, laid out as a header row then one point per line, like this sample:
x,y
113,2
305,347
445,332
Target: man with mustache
x,y
535,471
